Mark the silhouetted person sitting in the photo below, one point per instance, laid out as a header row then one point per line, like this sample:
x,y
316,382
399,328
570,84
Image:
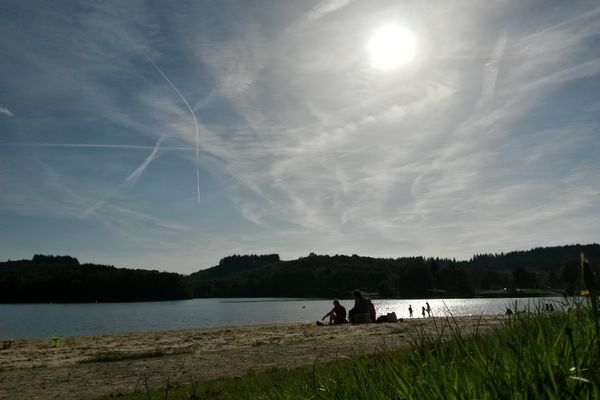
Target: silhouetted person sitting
x,y
337,315
372,314
359,314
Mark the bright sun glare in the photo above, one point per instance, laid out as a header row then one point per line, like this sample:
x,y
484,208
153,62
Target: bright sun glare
x,y
391,47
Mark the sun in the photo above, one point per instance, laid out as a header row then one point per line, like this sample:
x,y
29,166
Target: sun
x,y
392,46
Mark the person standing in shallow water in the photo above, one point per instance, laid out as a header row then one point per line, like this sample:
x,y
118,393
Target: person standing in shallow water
x,y
410,310
428,309
423,311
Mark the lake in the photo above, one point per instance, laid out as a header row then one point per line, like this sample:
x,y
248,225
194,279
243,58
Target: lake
x,y
25,321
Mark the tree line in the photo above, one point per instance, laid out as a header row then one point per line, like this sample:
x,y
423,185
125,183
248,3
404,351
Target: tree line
x,y
63,279
551,270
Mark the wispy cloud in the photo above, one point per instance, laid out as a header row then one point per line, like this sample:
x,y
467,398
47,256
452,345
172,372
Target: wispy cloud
x,y
423,146
326,7
6,111
490,71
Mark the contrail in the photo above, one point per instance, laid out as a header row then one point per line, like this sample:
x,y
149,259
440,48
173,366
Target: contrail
x,y
130,180
268,150
133,177
97,146
94,206
193,116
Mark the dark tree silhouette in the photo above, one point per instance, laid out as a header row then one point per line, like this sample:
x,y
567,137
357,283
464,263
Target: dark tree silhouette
x,y
63,279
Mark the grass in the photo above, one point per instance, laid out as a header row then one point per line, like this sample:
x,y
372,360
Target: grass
x,y
271,384
531,357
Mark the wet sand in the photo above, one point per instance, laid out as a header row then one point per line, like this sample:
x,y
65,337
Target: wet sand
x,y
77,367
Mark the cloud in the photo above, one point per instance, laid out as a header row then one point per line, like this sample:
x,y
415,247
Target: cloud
x,y
302,145
326,7
490,71
52,195
442,143
6,111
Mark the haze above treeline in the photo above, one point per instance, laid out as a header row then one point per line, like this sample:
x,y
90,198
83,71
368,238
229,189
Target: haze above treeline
x,y
539,271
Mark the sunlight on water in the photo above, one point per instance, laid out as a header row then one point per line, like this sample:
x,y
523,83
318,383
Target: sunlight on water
x,y
461,307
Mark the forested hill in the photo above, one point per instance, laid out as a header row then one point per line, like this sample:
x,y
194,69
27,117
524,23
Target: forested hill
x,y
62,279
236,264
549,270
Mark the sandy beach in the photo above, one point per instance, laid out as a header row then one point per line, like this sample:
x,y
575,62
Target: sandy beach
x,y
92,366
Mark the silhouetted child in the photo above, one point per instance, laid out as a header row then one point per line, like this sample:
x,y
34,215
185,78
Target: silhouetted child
x,y
410,310
423,311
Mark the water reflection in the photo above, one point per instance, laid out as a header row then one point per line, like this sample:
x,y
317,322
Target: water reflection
x,y
464,307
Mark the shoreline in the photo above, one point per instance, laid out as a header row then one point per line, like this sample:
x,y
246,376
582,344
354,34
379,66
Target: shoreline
x,y
86,367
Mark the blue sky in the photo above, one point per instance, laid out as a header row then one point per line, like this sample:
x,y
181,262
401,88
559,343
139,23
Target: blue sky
x,y
157,135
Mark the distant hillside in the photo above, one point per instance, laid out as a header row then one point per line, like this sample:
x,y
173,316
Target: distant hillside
x,y
62,279
537,259
551,269
236,264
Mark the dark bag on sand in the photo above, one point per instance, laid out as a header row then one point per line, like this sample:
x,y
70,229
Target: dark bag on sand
x,y
390,317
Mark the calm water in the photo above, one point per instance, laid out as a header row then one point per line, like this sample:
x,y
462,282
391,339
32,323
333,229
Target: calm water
x,y
20,321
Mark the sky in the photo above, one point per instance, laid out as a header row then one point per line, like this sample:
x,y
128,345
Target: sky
x,y
167,135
